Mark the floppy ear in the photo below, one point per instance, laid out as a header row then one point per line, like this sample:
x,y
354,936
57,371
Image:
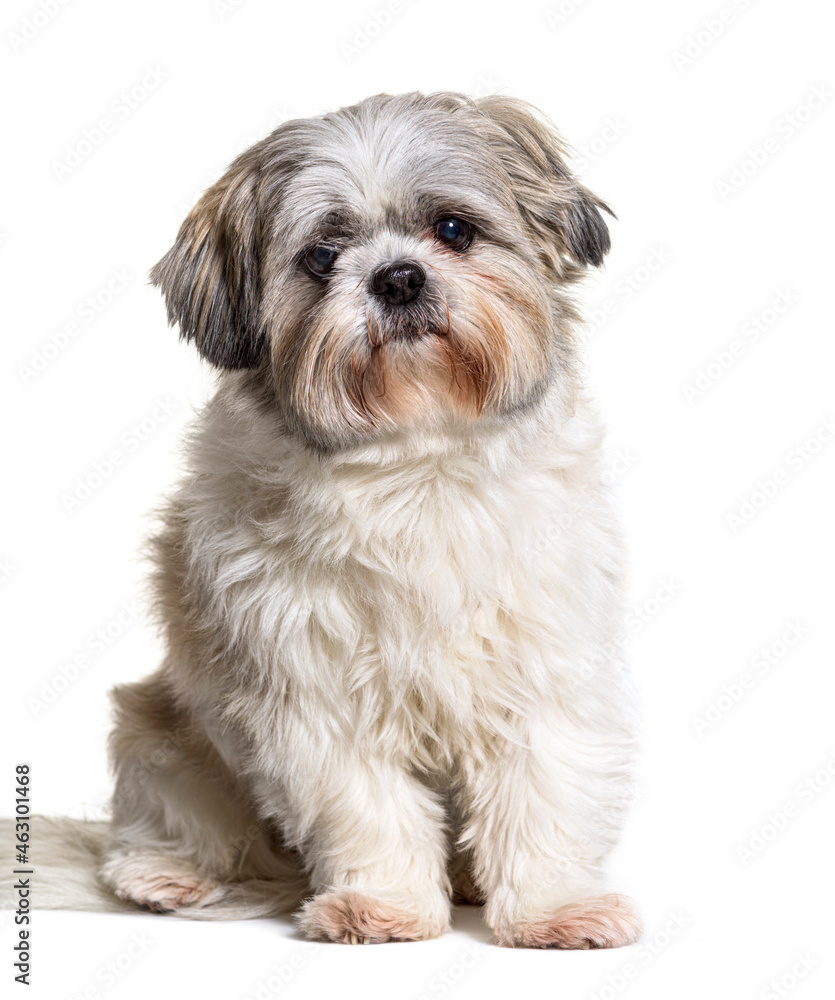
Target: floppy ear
x,y
210,276
561,213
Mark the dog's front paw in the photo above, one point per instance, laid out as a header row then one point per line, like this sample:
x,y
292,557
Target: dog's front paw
x,y
354,917
609,921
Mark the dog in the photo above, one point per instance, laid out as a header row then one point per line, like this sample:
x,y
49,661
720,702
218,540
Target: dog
x,y
391,579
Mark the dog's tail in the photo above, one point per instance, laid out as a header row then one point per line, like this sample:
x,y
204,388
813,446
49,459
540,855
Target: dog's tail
x,y
65,857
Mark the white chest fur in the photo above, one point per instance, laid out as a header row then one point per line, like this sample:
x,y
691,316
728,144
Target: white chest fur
x,y
430,576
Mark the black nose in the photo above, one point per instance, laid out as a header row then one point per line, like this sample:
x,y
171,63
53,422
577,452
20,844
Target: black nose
x,y
398,283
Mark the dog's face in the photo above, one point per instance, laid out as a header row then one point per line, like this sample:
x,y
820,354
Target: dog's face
x,y
397,263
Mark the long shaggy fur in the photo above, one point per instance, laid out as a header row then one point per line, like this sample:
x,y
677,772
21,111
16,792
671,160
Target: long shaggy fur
x,y
388,677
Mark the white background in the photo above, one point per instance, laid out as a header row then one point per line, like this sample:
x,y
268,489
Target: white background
x,y
673,126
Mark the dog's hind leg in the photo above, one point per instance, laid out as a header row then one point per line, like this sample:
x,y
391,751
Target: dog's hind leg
x,y
184,835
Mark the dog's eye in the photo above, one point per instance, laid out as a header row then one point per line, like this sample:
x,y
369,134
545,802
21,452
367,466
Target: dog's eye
x,y
321,258
454,232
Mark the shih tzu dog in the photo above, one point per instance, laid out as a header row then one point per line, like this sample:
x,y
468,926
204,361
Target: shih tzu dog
x,y
391,577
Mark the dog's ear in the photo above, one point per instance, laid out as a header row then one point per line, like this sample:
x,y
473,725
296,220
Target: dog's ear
x,y
210,276
560,212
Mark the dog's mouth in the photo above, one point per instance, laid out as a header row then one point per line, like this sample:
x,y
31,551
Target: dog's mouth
x,y
404,325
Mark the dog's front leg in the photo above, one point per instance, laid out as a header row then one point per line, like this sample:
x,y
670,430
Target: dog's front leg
x,y
543,809
373,840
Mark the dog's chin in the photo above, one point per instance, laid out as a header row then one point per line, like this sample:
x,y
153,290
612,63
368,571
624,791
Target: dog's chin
x,y
400,378
415,374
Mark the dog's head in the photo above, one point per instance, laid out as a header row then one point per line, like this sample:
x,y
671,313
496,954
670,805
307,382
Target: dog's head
x,y
397,262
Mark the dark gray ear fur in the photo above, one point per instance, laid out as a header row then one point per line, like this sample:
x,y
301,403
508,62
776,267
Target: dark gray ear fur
x,y
210,276
560,212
